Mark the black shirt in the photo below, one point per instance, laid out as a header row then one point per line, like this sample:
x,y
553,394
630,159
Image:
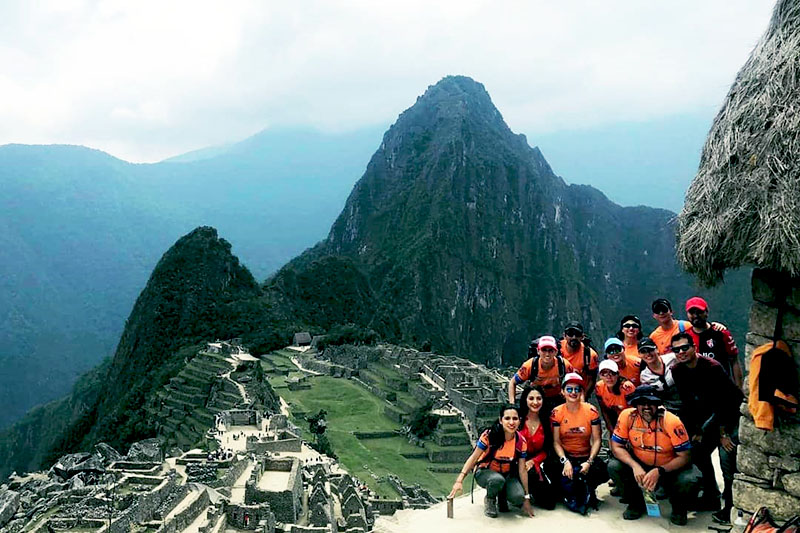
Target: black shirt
x,y
706,391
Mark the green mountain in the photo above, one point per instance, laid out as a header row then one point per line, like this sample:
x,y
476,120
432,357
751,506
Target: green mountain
x,y
81,231
470,241
197,292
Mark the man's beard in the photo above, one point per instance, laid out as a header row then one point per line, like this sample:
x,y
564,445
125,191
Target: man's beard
x,y
574,343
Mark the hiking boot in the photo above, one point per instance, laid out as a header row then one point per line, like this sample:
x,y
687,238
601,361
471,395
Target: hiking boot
x,y
722,517
502,502
678,518
490,507
616,491
632,513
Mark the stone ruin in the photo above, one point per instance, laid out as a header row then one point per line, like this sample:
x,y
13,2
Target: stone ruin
x,y
769,461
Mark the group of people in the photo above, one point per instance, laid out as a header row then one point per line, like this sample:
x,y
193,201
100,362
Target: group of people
x,y
668,400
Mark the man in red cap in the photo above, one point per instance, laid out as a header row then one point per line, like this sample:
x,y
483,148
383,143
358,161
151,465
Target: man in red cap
x,y
717,344
544,368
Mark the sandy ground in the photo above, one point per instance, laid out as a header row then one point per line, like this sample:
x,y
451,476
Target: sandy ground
x,y
469,517
274,481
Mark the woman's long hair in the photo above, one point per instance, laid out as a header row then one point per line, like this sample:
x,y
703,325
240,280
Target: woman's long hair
x,y
497,437
632,318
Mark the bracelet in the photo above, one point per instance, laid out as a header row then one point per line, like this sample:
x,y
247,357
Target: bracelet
x,y
590,461
527,497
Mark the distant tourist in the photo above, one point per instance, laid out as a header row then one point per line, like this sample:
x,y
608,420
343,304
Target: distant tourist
x,y
630,331
612,390
539,439
628,365
710,403
544,368
498,461
717,344
574,347
576,441
651,450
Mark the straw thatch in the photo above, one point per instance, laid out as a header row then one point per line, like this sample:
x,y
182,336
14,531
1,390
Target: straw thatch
x,y
743,207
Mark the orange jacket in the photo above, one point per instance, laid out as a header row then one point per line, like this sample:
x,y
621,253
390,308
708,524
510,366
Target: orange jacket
x,y
772,383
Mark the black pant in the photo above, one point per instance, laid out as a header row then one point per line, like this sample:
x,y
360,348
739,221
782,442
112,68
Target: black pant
x,y
701,457
597,475
681,485
542,491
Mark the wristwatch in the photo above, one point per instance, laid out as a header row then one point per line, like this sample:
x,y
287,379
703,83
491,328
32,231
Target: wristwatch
x,y
563,460
527,497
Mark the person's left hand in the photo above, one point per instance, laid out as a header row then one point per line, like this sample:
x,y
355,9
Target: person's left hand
x,y
726,442
585,467
528,508
650,479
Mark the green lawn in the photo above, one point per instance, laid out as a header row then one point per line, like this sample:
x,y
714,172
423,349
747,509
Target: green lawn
x,y
352,408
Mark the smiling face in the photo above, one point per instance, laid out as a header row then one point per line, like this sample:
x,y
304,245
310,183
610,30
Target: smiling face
x,y
647,410
684,351
648,355
662,314
548,355
698,317
572,392
534,401
630,329
614,353
510,420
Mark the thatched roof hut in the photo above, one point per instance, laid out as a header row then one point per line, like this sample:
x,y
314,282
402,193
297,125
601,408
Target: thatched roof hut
x,y
743,207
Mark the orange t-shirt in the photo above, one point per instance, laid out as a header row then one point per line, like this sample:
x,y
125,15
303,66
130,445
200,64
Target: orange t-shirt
x,y
609,400
505,456
548,380
633,367
576,359
654,444
575,429
663,337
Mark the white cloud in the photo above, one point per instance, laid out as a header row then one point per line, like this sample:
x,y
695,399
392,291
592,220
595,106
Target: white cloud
x,y
146,79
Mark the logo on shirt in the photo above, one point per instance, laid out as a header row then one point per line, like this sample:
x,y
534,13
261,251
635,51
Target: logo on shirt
x,y
710,343
579,429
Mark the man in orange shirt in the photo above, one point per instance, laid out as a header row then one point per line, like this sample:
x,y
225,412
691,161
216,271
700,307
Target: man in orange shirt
x,y
667,325
546,369
575,349
651,449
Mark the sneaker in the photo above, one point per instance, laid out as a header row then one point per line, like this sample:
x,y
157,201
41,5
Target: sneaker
x,y
722,517
678,518
490,507
632,513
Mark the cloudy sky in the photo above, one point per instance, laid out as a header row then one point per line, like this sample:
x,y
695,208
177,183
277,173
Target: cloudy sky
x,y
146,80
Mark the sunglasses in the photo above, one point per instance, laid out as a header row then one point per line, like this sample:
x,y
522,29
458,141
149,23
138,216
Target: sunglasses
x,y
573,333
630,325
682,348
695,311
660,310
613,351
572,390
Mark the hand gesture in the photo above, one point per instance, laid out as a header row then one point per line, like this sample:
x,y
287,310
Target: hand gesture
x,y
567,470
726,442
457,487
528,508
650,479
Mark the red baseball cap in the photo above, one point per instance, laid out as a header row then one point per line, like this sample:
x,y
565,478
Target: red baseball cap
x,y
697,302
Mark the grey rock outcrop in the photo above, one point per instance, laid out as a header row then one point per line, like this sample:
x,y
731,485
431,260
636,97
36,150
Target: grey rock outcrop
x,y
75,463
9,502
146,451
108,453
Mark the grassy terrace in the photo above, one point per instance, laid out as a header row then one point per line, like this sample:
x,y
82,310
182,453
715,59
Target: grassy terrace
x,y
351,408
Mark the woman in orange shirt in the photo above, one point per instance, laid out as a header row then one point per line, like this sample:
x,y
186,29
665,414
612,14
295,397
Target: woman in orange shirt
x,y
539,440
576,441
611,391
628,365
499,463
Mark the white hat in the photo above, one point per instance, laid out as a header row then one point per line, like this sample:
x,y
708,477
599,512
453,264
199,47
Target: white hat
x,y
608,364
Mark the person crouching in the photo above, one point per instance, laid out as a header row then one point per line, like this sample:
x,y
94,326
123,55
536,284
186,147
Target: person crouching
x,y
576,440
499,456
651,449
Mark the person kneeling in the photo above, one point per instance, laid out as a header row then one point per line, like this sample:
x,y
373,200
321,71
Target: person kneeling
x,y
651,449
576,441
500,459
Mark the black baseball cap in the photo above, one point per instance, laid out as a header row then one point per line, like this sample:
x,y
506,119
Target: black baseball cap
x,y
661,302
644,394
574,325
646,342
